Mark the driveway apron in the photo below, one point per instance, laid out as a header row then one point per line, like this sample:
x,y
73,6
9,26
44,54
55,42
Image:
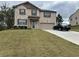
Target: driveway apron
x,y
71,36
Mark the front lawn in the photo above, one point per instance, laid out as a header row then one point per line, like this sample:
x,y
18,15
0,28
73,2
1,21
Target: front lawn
x,y
34,43
75,28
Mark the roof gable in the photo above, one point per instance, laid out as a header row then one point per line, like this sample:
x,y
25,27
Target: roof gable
x,y
27,5
74,13
31,6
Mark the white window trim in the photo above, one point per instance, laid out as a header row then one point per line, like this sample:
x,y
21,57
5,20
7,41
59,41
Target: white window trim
x,y
22,24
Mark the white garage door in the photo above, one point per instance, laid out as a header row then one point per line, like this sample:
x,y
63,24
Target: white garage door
x,y
46,26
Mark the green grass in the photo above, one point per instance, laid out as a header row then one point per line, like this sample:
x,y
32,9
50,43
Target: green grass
x,y
75,28
34,43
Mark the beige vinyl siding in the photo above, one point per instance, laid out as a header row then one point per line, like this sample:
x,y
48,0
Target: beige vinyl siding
x,y
47,22
18,16
74,20
29,12
51,19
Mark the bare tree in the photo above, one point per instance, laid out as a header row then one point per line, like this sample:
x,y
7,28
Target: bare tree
x,y
59,19
4,9
7,14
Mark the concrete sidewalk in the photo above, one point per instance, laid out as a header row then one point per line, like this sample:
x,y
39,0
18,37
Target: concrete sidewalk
x,y
71,36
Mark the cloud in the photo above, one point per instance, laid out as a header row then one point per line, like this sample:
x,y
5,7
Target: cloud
x,y
65,8
45,4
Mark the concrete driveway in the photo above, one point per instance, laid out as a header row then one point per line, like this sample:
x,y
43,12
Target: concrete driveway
x,y
71,36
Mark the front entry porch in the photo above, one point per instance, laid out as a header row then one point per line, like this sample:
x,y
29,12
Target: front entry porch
x,y
34,22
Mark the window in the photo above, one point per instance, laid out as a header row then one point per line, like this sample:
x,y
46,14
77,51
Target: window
x,y
77,23
34,12
76,18
22,11
47,14
71,19
53,23
22,22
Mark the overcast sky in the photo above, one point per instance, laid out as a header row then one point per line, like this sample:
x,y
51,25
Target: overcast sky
x,y
65,8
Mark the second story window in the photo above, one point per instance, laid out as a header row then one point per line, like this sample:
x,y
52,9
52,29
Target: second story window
x,y
71,19
77,23
34,12
76,18
47,14
22,11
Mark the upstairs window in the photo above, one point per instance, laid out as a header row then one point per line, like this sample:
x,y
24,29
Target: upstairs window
x,y
34,12
71,19
22,11
47,14
76,18
76,23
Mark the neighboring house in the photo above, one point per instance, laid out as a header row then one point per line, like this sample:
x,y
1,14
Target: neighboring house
x,y
27,14
74,18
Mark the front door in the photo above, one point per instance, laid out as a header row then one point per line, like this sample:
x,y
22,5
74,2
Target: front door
x,y
34,24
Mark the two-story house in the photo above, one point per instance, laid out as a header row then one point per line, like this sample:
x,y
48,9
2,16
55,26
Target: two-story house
x,y
74,18
27,14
